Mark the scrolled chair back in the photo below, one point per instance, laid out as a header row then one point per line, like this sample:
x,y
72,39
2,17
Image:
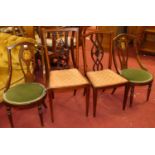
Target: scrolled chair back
x,y
125,45
26,60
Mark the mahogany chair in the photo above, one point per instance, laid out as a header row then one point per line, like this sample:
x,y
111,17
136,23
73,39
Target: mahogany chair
x,y
123,45
98,65
63,74
25,95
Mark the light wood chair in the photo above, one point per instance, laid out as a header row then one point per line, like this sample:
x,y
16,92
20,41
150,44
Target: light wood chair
x,y
63,74
99,73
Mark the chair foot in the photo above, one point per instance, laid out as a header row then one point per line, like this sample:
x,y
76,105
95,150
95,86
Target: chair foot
x,y
9,113
149,91
113,91
40,111
87,91
125,96
131,95
94,102
51,105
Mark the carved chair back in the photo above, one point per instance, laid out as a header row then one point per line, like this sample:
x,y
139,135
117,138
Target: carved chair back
x,y
26,60
123,44
64,47
94,51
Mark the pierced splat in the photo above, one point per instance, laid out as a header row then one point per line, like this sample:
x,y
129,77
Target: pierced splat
x,y
26,60
97,51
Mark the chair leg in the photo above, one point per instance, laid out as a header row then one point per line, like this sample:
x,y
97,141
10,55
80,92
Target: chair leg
x,y
87,91
125,96
9,113
52,95
131,95
44,104
84,91
75,92
149,91
51,104
94,101
40,111
113,91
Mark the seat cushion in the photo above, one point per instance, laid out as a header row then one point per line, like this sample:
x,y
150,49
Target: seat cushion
x,y
136,75
24,94
66,78
17,78
105,78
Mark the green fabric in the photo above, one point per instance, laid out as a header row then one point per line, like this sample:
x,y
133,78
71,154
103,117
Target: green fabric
x,y
136,75
23,94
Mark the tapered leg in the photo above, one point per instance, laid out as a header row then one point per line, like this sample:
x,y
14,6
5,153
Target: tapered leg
x,y
40,111
87,90
131,95
52,93
9,113
84,91
51,104
44,104
75,92
149,91
94,101
113,91
125,96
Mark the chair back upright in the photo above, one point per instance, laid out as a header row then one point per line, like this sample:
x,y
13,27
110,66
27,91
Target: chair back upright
x,y
94,51
64,47
125,46
26,60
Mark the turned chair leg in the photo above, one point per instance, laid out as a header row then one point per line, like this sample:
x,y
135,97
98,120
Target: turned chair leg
x,y
51,104
94,101
87,91
125,96
131,95
40,111
149,91
9,113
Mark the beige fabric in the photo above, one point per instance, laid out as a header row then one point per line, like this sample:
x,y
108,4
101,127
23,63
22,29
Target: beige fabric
x,y
17,78
105,78
66,78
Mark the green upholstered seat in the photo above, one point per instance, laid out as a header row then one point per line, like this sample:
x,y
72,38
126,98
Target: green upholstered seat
x,y
24,94
136,75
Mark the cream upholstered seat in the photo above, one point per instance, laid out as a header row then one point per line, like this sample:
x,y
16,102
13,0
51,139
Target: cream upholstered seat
x,y
61,74
66,78
105,78
101,76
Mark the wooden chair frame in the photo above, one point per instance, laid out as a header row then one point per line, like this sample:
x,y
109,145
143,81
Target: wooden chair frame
x,y
28,76
99,66
75,60
123,57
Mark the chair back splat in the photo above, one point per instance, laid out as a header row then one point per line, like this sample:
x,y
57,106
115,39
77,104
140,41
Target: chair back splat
x,y
63,42
97,50
124,45
26,60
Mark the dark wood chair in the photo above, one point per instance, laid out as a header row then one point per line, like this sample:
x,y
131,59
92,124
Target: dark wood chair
x,y
123,45
25,95
62,73
98,65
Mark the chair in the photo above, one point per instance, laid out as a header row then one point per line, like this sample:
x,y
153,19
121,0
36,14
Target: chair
x,y
62,75
98,60
123,46
29,94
